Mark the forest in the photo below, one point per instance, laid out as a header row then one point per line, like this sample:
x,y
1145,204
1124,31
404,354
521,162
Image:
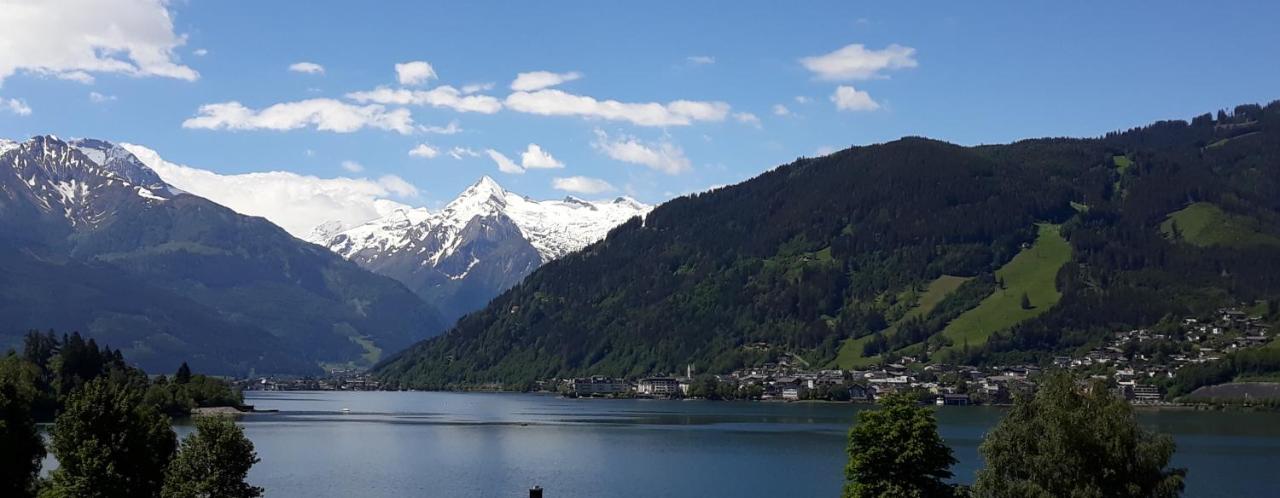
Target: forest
x,y
826,250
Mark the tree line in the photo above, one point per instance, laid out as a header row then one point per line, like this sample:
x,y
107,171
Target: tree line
x,y
111,431
1071,438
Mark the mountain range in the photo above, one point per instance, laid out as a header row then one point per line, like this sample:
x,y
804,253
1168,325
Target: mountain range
x,y
916,247
480,244
92,240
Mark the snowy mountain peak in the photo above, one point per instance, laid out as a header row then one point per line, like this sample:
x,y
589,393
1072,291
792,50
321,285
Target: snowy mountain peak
x,y
487,232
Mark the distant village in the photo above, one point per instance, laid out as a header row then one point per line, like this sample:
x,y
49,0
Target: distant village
x,y
1134,362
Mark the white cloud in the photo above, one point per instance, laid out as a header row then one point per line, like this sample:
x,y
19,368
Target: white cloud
x,y
297,203
448,129
353,167
414,73
99,98
582,185
856,62
323,114
824,150
476,87
306,68
537,80
505,164
200,52
424,151
700,59
441,96
15,106
747,119
461,152
536,158
781,110
552,102
71,39
848,98
663,156
801,99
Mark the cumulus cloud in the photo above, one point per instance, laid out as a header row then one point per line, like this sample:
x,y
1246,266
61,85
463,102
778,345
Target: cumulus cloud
x,y
414,73
781,110
747,119
297,203
15,106
200,52
424,151
662,156
353,167
441,96
856,62
582,185
448,129
477,87
537,80
505,164
306,68
323,114
72,39
461,152
700,59
99,98
536,158
552,102
801,99
848,98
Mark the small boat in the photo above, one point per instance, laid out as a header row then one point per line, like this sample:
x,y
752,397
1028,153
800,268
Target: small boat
x,y
346,411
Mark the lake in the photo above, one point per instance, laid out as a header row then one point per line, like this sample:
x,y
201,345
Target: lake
x,y
400,444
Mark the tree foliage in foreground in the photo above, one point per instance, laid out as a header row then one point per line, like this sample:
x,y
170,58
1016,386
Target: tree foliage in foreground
x,y
1078,442
212,463
21,448
896,452
109,443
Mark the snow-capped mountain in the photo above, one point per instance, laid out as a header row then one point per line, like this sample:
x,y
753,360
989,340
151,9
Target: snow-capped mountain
x,y
92,240
480,244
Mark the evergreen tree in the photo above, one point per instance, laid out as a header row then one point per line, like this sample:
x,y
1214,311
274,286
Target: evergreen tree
x,y
1026,301
896,452
212,463
184,374
21,449
109,444
1075,441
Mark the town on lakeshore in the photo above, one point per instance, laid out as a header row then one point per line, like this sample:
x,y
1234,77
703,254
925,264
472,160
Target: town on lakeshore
x,y
1138,364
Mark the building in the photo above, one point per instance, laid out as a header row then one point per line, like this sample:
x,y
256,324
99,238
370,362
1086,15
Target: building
x,y
658,386
1145,393
597,386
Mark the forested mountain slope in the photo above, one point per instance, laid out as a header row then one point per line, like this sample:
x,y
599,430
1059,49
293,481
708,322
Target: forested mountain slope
x,y
822,251
93,241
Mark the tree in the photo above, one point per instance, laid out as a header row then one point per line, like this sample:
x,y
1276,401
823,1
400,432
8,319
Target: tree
x,y
896,451
1075,441
23,450
184,374
1026,301
212,463
109,443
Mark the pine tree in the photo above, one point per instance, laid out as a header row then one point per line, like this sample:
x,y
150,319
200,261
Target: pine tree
x,y
184,374
1026,301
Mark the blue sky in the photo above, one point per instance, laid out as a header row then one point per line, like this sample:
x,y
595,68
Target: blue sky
x,y
966,72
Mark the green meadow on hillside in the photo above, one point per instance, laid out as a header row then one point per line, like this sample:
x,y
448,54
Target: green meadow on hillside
x,y
1204,224
1032,272
851,351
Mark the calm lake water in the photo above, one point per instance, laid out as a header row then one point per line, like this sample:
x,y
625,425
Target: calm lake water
x,y
495,445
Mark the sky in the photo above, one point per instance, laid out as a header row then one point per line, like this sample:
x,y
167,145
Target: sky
x,y
316,110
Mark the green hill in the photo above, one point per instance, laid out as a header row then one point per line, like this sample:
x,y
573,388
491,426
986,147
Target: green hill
x,y
1031,273
825,256
1205,224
